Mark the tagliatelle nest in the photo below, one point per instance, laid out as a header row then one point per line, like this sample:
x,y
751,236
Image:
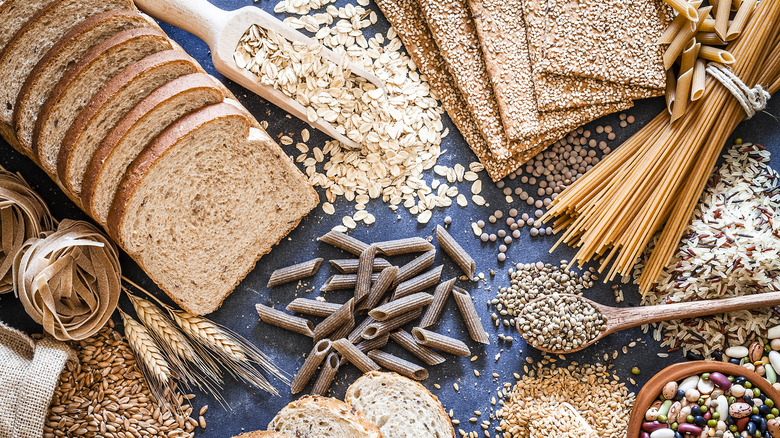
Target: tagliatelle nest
x,y
69,280
23,215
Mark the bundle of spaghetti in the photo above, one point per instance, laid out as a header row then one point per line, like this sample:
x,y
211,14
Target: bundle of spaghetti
x,y
652,182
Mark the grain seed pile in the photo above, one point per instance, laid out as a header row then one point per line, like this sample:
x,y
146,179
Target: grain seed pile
x,y
592,390
106,395
560,323
732,248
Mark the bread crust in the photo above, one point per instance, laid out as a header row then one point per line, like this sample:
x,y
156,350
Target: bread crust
x,y
189,83
66,157
339,408
440,412
83,63
90,23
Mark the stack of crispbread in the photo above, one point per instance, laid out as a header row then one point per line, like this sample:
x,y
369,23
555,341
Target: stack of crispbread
x,y
518,75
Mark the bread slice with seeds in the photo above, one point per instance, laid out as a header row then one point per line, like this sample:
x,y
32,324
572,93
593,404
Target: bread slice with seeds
x,y
143,123
109,105
400,407
204,201
35,38
323,417
83,81
63,55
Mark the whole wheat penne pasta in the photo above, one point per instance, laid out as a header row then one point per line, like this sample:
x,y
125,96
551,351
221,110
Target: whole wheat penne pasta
x,y
345,242
284,320
400,306
343,281
407,342
365,268
312,307
470,316
327,374
708,25
722,13
709,38
378,328
454,250
682,39
690,53
343,331
367,345
440,342
440,296
379,288
404,246
355,356
699,77
679,22
399,365
315,358
684,8
718,55
671,86
415,266
350,266
294,272
338,319
682,93
744,12
418,283
356,335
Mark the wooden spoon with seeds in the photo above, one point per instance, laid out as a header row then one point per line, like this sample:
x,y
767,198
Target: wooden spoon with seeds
x,y
222,30
621,318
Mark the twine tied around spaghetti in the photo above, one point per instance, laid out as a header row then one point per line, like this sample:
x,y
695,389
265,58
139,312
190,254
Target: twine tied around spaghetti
x,y
752,99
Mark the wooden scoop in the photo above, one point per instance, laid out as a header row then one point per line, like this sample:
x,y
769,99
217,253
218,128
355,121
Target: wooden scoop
x,y
222,30
621,318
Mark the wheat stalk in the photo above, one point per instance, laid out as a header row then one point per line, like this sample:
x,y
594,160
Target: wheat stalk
x,y
189,361
151,360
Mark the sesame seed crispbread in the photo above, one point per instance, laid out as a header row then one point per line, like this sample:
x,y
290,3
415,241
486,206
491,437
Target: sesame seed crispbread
x,y
456,36
611,40
407,19
502,35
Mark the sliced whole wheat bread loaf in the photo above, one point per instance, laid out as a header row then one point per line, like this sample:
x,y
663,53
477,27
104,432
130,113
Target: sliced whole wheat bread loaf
x,y
16,13
323,417
143,123
35,38
63,55
118,96
400,407
83,81
204,201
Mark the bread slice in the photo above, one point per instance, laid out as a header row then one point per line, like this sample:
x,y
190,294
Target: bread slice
x,y
83,81
400,407
123,92
204,201
323,417
63,55
16,13
36,37
262,434
142,124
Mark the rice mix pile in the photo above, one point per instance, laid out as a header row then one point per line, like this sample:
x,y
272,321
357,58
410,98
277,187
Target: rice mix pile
x,y
731,248
538,407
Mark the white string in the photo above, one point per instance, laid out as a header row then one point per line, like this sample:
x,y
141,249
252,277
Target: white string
x,y
752,99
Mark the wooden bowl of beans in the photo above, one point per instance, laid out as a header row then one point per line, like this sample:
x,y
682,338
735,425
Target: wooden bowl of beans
x,y
694,399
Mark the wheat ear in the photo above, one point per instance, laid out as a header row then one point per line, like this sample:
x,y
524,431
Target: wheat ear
x,y
188,360
151,360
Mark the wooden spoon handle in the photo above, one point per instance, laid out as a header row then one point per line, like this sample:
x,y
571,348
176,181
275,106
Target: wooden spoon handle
x,y
620,319
198,17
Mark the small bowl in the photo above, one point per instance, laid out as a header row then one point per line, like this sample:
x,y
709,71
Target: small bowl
x,y
679,371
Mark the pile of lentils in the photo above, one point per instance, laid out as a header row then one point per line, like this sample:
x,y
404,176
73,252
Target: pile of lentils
x,y
529,281
541,179
560,323
711,404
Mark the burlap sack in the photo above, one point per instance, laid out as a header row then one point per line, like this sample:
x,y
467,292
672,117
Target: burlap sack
x,y
29,372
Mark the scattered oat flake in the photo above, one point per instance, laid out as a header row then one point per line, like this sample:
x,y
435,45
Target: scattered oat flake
x,y
328,208
477,199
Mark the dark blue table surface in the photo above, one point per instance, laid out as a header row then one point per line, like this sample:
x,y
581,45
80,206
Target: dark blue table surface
x,y
250,409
